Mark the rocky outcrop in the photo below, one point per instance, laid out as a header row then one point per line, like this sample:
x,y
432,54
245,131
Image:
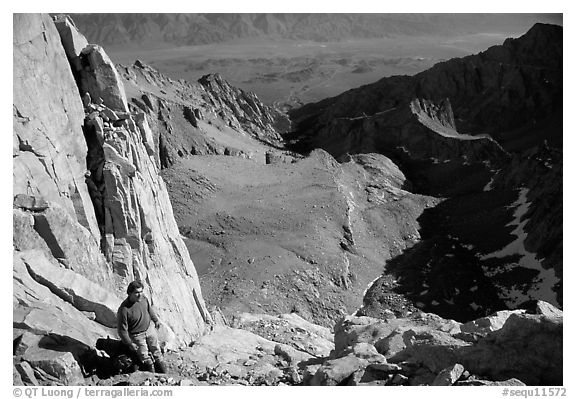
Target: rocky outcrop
x,y
56,364
244,110
141,238
418,130
424,349
73,288
40,312
48,146
229,355
90,211
99,78
189,118
289,329
527,347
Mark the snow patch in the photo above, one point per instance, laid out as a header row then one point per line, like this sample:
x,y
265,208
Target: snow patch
x,y
541,286
364,294
370,286
488,187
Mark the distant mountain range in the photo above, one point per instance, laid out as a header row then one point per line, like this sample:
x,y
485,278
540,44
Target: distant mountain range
x,y
194,29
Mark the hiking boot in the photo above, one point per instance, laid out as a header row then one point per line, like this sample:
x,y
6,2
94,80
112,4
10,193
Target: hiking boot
x,y
160,366
147,366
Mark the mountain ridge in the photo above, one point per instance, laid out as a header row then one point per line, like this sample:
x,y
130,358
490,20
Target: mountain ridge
x,y
480,89
194,29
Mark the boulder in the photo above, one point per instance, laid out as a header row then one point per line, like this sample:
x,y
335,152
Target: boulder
x,y
25,373
336,371
110,114
24,340
23,234
68,240
73,288
392,344
112,156
399,379
361,364
527,347
72,40
100,78
273,158
490,323
30,203
86,99
387,335
289,329
432,348
61,365
242,353
40,312
449,375
366,351
16,377
231,345
190,116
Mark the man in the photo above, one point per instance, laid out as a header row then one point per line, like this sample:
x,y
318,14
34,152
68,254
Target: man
x,y
136,330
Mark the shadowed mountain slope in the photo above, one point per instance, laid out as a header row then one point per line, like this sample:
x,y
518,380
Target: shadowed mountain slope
x,y
467,130
511,92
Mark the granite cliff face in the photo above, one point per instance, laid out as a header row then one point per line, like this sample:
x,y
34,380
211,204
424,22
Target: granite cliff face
x,y
91,212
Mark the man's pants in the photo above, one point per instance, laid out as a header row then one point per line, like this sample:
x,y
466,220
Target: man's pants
x,y
147,341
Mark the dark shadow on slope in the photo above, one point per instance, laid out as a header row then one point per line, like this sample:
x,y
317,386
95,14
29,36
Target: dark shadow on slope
x,y
444,273
90,361
441,179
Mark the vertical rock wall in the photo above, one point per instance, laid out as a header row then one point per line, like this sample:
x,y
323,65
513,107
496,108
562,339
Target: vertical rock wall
x,y
49,149
87,194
